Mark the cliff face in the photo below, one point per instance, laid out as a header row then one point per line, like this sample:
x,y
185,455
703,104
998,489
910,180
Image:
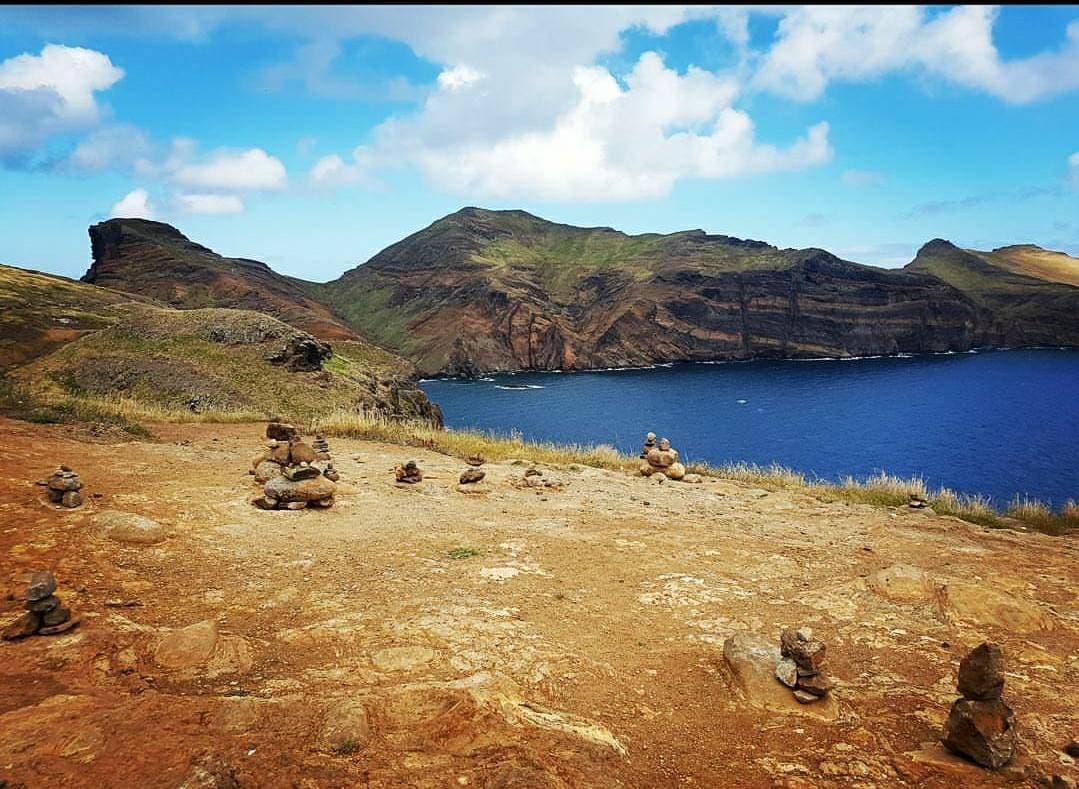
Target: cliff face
x,y
157,260
486,291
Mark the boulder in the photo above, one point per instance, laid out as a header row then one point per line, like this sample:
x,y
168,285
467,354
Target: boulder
x,y
658,458
285,490
344,725
982,731
752,661
187,647
981,673
130,528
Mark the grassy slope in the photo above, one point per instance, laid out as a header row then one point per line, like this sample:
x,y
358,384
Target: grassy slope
x,y
1010,272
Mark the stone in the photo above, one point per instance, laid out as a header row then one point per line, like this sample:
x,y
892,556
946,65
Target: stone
x,y
901,583
187,647
265,503
43,605
267,470
64,483
300,452
475,460
817,684
659,459
63,627
649,445
55,496
57,616
982,731
804,633
285,490
344,725
409,473
42,584
751,660
295,505
327,502
280,454
471,475
675,471
262,457
280,431
1072,749
330,473
807,654
25,625
981,673
127,527
297,473
802,697
695,479
787,672
71,499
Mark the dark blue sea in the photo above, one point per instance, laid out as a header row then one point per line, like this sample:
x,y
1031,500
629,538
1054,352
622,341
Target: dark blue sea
x,y
998,423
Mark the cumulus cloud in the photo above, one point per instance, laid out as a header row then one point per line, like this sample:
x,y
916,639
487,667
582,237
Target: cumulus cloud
x,y
209,203
818,44
50,93
610,143
135,204
458,77
226,169
862,178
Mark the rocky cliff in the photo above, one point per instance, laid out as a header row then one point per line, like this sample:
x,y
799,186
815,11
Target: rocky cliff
x,y
503,290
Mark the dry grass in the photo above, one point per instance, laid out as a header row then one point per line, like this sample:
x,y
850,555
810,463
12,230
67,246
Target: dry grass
x,y
880,490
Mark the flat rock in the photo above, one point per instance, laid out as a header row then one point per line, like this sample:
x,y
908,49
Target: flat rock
x,y
63,627
901,583
127,527
402,658
471,475
25,625
981,604
752,661
981,673
344,724
187,647
285,490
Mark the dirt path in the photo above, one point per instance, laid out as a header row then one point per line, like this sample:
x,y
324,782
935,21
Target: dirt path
x,y
580,646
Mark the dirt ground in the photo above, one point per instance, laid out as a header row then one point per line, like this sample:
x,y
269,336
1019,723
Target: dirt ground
x,y
522,637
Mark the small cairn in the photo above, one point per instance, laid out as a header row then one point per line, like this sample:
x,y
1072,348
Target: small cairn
x,y
64,487
322,447
535,478
286,468
46,613
649,445
662,460
801,667
917,502
408,474
980,725
471,479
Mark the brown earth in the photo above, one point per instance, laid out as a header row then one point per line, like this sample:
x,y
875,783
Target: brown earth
x,y
581,646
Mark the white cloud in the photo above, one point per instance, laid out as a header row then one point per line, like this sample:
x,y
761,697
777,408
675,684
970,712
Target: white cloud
x,y
1073,170
818,44
135,204
332,171
609,143
226,169
210,203
458,77
120,145
50,93
862,178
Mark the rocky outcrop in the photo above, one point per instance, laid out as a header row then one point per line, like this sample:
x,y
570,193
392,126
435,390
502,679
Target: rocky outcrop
x,y
483,291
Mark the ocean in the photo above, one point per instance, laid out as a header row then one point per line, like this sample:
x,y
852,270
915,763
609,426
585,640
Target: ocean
x,y
996,423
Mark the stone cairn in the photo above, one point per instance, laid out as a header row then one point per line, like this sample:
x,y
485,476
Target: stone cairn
x,y
46,613
288,472
63,487
662,460
801,665
649,445
408,474
979,726
472,477
322,452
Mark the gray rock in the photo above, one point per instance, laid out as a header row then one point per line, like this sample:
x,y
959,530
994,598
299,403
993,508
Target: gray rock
x,y
297,473
42,584
471,475
804,697
787,672
57,616
43,605
280,431
71,499
286,490
267,470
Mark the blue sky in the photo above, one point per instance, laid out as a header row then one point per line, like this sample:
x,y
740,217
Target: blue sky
x,y
311,138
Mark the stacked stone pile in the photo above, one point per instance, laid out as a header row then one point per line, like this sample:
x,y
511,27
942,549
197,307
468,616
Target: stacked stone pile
x,y
801,667
471,479
980,725
64,487
649,445
45,614
662,460
321,446
408,474
287,468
